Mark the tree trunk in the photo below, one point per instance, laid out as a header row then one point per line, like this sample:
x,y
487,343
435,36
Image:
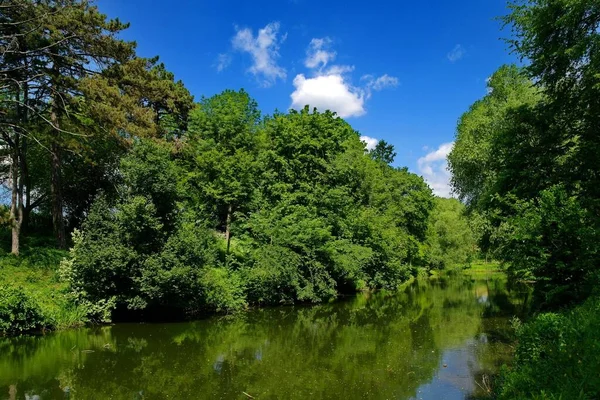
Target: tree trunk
x,y
57,201
25,181
15,207
55,181
228,227
25,189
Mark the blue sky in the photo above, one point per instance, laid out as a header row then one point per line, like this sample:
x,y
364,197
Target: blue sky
x,y
399,71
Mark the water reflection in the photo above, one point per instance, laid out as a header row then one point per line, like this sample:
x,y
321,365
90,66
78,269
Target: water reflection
x,y
432,340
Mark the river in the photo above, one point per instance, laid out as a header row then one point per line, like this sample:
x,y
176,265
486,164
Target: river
x,y
435,339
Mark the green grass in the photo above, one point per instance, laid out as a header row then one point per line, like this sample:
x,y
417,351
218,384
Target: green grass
x,y
35,271
477,269
480,268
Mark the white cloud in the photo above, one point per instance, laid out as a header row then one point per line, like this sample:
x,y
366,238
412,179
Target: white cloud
x,y
457,53
318,55
328,92
434,169
380,83
330,88
223,61
339,69
264,49
369,142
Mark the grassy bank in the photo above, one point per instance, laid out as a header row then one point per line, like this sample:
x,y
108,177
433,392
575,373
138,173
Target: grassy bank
x,y
479,269
557,356
31,294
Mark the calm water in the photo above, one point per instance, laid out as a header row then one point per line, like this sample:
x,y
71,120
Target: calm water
x,y
434,340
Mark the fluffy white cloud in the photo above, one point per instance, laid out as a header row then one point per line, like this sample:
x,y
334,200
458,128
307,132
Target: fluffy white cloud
x,y
264,49
329,88
456,53
318,54
223,61
369,142
328,92
434,169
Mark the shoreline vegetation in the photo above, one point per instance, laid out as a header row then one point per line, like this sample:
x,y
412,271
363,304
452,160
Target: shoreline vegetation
x,y
45,303
130,199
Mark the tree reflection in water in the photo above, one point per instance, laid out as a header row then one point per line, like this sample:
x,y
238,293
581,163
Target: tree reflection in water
x,y
435,336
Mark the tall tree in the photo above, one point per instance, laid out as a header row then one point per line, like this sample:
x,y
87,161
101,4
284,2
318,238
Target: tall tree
x,y
561,41
383,152
20,41
222,147
81,41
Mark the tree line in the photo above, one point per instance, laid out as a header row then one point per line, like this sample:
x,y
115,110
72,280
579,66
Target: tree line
x,y
525,162
170,204
526,155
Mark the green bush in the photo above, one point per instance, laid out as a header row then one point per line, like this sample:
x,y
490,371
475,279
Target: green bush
x,y
552,239
222,290
557,357
18,312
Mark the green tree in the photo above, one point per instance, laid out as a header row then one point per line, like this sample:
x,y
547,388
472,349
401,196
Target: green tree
x,y
471,159
527,153
450,240
222,148
384,152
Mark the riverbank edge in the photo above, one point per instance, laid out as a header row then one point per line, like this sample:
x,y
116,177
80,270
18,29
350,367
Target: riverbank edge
x,y
47,299
32,294
557,356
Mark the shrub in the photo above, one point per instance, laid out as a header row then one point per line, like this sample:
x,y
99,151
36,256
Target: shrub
x,y
222,290
557,357
552,239
18,312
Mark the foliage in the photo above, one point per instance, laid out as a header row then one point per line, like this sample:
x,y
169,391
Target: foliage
x,y
450,240
526,163
18,312
557,357
142,253
517,163
311,213
552,239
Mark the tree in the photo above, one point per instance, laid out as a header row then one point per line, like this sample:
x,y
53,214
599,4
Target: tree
x,y
222,149
383,152
528,151
18,18
561,40
450,239
73,86
472,155
52,46
80,37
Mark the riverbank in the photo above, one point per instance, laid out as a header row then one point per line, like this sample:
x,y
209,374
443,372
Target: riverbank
x,y
557,356
478,269
32,298
556,353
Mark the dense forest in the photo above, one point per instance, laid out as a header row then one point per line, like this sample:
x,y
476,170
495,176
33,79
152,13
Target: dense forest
x,y
177,207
